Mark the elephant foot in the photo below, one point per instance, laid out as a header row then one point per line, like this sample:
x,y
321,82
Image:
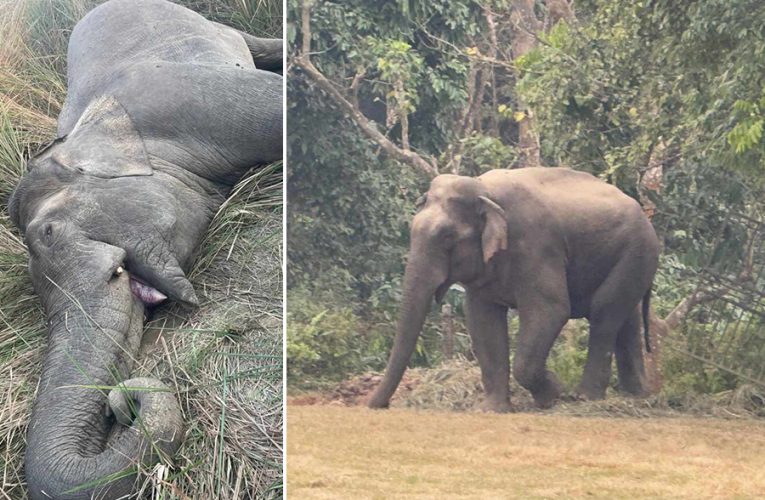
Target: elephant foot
x,y
545,400
633,386
636,391
377,403
588,392
548,393
495,405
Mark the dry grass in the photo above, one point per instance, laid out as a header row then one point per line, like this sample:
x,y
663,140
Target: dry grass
x,y
224,359
455,385
336,452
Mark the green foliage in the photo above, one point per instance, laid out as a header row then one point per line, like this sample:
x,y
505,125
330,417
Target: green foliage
x,y
636,73
628,80
320,341
484,152
398,66
349,208
686,378
748,130
326,340
348,214
569,354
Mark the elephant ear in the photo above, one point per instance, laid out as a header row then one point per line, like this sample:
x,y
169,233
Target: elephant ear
x,y
103,143
494,236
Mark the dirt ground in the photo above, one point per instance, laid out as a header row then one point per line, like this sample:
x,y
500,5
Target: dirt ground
x,y
352,452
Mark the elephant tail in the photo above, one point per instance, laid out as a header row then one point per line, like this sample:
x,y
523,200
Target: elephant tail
x,y
646,310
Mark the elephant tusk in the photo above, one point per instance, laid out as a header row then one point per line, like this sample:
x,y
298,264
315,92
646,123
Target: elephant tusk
x,y
119,271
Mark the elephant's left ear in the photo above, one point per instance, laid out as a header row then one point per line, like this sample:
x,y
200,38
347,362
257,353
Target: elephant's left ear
x,y
494,236
104,143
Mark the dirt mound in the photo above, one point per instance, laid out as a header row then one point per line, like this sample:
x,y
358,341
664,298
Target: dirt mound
x,y
356,390
456,386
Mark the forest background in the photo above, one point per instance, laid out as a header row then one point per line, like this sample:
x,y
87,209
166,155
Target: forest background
x,y
664,99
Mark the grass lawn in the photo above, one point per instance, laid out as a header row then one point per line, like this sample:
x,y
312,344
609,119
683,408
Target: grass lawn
x,y
338,452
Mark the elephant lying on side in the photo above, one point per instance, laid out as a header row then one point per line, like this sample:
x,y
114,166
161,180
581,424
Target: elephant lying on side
x,y
552,243
165,111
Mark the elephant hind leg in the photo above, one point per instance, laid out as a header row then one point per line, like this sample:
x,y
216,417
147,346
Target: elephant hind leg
x,y
266,52
612,304
600,350
540,325
629,356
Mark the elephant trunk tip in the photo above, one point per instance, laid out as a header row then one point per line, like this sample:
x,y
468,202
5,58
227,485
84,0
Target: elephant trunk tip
x,y
149,429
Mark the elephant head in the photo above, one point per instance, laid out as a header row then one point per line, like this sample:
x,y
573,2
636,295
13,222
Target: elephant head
x,y
103,234
454,235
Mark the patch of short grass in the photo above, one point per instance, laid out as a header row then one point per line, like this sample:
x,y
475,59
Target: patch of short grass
x,y
224,359
336,452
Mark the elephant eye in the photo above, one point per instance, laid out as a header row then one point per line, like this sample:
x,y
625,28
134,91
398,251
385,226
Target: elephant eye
x,y
447,234
48,233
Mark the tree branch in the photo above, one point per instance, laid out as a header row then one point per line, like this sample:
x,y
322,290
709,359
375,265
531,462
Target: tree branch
x,y
368,127
478,79
681,311
704,294
355,86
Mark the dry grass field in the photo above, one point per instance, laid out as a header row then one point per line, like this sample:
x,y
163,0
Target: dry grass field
x,y
339,452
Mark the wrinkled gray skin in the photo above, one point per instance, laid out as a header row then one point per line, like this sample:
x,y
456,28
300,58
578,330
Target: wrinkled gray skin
x,y
165,111
552,243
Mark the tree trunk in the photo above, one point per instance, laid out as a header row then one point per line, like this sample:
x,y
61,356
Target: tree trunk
x,y
525,26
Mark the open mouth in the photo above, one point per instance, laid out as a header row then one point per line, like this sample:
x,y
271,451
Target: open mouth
x,y
149,295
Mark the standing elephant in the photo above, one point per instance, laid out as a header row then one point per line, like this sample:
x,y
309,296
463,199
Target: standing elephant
x,y
165,111
552,243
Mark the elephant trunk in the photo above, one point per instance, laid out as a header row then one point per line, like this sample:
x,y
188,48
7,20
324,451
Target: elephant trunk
x,y
84,441
422,277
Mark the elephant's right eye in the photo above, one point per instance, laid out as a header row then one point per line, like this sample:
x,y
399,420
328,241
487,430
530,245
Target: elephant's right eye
x,y
48,234
447,235
118,271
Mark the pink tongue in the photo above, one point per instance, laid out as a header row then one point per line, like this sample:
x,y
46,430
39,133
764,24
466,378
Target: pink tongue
x,y
148,295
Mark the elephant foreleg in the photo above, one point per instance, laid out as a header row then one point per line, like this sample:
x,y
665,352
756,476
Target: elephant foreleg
x,y
487,324
629,356
541,321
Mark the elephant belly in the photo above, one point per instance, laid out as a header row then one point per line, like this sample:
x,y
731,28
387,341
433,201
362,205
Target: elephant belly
x,y
580,310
